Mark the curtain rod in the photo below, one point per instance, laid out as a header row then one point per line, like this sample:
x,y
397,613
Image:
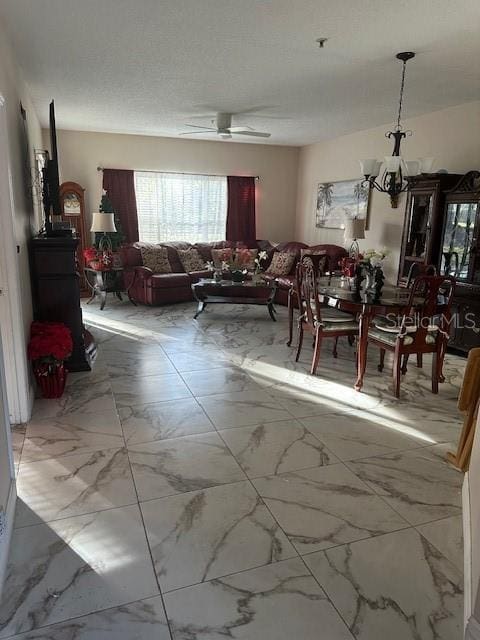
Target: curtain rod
x,y
183,173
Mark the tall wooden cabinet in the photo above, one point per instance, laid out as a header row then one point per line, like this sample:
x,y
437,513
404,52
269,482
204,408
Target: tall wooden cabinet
x,y
442,227
422,230
460,257
56,292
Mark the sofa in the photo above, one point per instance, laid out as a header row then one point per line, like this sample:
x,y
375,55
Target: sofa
x,y
146,287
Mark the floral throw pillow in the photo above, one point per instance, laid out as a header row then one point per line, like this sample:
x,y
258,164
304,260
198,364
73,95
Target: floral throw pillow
x,y
221,255
191,260
246,258
319,257
155,258
281,264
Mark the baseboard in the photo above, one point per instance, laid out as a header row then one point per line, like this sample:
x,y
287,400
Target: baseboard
x,y
467,549
7,535
472,632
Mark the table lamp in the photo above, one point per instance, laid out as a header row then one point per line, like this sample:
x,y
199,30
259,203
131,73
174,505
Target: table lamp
x,y
354,230
103,223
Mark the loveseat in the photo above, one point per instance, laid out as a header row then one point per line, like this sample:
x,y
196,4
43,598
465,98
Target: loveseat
x,y
146,287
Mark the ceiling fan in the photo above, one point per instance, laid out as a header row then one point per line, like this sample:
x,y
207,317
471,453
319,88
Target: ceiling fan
x,y
223,128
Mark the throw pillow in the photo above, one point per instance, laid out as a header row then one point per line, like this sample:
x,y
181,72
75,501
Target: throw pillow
x,y
155,258
319,257
246,258
220,255
281,264
191,260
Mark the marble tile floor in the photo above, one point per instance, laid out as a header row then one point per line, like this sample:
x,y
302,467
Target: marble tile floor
x,y
198,484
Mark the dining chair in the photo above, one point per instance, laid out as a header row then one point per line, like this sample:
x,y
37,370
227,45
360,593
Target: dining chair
x,y
418,269
316,319
423,327
320,262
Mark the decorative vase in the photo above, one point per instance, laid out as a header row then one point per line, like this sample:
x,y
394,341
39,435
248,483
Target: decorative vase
x,y
379,281
237,275
50,378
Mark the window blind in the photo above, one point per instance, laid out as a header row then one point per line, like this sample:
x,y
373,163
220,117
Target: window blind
x,y
178,206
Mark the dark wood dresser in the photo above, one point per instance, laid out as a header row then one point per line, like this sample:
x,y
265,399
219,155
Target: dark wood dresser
x,y
56,292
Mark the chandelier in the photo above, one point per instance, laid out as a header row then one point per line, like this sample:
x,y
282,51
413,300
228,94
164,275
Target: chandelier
x,y
396,170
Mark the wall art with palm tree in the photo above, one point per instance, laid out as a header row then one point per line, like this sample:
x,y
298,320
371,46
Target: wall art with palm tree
x,y
337,201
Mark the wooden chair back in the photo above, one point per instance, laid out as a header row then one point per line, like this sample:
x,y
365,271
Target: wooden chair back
x,y
436,293
308,291
417,269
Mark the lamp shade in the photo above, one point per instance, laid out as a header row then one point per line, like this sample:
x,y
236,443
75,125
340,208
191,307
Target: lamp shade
x,y
392,163
354,229
103,222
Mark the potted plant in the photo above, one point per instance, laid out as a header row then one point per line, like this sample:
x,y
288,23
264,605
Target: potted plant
x,y
50,345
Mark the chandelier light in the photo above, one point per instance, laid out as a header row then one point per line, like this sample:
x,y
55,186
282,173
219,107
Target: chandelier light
x,y
396,170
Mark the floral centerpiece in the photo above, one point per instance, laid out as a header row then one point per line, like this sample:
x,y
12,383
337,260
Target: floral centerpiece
x,y
370,269
50,345
98,260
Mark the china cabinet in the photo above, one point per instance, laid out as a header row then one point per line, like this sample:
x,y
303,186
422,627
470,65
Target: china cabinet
x,y
460,257
423,224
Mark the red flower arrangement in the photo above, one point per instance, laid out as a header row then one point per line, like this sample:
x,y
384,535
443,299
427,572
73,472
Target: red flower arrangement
x,y
98,260
50,342
349,265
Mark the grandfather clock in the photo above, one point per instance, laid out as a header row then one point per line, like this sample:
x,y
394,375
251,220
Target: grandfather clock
x,y
72,203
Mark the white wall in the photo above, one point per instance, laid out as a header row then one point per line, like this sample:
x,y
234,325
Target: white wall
x,y
451,135
16,156
19,158
81,152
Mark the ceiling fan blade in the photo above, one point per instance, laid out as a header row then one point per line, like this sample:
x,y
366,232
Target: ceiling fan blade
x,y
257,134
239,129
197,126
193,133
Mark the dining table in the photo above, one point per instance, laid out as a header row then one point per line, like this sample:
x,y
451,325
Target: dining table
x,y
339,293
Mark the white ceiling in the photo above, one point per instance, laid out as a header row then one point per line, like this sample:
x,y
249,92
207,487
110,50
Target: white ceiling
x,y
150,66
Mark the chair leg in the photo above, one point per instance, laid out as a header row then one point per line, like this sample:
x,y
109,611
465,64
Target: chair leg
x,y
290,318
382,360
300,341
397,369
335,344
436,370
316,352
351,340
419,360
405,362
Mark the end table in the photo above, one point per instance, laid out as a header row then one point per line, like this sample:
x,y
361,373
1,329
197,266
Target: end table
x,y
103,282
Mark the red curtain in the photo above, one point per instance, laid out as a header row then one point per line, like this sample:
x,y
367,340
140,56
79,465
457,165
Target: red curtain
x,y
241,209
120,187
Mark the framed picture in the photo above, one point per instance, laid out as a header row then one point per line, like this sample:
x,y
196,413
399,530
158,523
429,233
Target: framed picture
x,y
336,201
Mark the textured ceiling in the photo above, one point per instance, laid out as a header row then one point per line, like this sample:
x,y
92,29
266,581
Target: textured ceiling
x,y
149,66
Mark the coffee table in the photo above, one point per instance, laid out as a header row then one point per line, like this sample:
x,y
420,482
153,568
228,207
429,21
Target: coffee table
x,y
227,292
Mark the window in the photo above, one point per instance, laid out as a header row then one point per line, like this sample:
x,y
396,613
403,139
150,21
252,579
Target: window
x,y
178,206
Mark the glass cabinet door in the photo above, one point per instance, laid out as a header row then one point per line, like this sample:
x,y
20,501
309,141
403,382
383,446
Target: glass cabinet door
x,y
416,233
418,225
459,242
